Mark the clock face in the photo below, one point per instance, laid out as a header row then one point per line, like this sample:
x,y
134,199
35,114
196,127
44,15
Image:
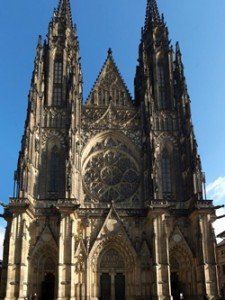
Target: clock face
x,y
177,238
111,173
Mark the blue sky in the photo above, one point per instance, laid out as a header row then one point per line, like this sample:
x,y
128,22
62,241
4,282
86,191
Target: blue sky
x,y
199,26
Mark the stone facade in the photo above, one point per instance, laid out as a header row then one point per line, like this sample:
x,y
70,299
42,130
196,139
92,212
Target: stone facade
x,y
109,201
221,264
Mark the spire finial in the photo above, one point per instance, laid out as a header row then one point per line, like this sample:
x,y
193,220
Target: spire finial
x,y
152,12
109,52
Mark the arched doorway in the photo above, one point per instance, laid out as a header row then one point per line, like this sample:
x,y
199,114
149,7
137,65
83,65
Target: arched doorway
x,y
112,276
48,280
43,274
181,274
48,287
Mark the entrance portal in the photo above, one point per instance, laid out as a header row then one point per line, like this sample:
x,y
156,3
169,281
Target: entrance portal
x,y
48,287
120,286
112,286
112,278
175,286
105,286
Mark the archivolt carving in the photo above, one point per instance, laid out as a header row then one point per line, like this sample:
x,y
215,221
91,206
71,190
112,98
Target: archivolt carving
x,y
164,138
110,172
180,256
110,117
43,253
111,259
53,135
115,244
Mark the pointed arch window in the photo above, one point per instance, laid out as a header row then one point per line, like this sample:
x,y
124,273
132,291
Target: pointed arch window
x,y
57,83
161,87
54,170
58,72
166,174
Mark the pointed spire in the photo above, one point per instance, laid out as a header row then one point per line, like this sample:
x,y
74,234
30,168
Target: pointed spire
x,y
40,42
178,53
64,11
152,13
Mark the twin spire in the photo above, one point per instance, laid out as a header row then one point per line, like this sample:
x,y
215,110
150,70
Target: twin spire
x,y
152,12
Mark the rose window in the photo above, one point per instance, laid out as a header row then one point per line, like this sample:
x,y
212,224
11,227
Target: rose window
x,y
111,173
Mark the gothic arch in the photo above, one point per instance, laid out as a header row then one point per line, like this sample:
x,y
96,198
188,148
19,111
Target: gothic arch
x,y
182,271
111,258
57,53
165,138
43,261
117,243
52,174
101,137
126,264
53,137
167,150
160,56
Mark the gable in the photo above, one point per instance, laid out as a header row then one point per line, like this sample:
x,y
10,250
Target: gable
x,y
109,87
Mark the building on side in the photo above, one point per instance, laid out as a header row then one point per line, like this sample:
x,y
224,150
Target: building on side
x,y
109,202
221,263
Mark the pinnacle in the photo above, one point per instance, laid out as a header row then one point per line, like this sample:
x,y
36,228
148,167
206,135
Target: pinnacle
x,y
64,10
152,12
178,48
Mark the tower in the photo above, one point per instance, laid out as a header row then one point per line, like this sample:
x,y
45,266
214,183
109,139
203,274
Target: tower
x,y
109,197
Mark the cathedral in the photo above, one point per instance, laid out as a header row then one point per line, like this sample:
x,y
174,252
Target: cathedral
x,y
109,201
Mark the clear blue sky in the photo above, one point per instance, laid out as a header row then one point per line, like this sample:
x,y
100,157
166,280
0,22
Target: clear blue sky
x,y
199,26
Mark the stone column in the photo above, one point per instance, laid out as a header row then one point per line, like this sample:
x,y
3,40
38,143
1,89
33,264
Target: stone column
x,y
72,286
23,282
112,286
66,288
61,267
161,279
208,254
11,280
206,269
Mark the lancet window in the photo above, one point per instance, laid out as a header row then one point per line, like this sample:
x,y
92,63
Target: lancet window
x,y
57,83
54,170
166,174
161,87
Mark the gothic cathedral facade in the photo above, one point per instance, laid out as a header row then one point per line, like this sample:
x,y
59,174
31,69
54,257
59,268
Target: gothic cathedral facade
x,y
109,200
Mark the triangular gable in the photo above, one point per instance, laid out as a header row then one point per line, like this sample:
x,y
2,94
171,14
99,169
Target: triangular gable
x,y
145,252
113,226
46,238
145,256
81,250
109,87
112,223
177,239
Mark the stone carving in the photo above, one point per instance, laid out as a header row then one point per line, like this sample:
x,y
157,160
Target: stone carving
x,y
112,259
109,87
